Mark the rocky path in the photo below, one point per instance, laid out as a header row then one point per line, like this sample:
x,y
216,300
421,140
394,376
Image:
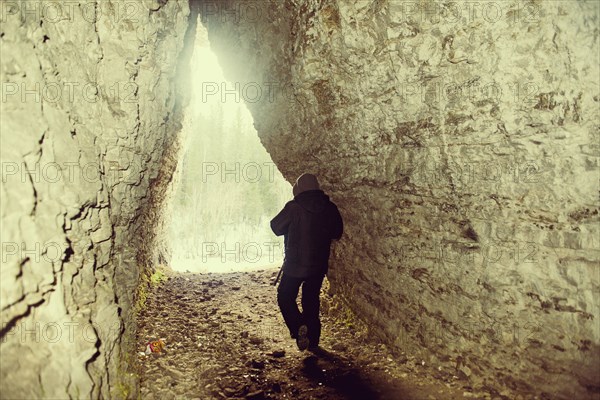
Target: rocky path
x,y
225,338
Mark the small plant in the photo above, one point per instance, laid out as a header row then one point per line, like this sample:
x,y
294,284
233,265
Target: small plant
x,y
157,277
147,281
142,295
123,390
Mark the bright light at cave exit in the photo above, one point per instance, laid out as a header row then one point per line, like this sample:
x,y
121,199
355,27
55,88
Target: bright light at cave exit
x,y
227,188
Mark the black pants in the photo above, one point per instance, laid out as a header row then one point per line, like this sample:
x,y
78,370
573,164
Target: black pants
x,y
287,292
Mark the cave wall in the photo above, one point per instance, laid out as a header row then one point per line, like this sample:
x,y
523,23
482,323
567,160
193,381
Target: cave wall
x,y
460,141
90,113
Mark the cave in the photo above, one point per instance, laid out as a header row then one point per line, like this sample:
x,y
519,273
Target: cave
x,y
460,141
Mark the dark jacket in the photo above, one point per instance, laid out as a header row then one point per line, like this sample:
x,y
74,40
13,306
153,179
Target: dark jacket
x,y
309,222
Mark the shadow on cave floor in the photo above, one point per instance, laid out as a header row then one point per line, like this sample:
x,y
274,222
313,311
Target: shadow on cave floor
x,y
224,338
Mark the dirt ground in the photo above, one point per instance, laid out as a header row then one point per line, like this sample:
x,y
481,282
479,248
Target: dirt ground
x,y
225,338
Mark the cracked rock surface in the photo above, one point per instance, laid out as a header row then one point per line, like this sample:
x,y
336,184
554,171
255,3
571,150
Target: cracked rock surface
x,y
89,140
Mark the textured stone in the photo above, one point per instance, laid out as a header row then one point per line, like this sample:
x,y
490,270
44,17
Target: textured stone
x,y
97,129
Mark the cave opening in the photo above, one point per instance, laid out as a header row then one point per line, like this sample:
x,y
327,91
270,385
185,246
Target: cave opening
x,y
226,187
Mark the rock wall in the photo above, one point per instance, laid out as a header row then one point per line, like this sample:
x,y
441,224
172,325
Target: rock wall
x,y
461,142
90,114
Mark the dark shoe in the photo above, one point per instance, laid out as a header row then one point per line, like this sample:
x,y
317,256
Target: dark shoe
x,y
302,339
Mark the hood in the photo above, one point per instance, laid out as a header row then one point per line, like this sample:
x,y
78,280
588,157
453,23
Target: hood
x,y
314,201
304,183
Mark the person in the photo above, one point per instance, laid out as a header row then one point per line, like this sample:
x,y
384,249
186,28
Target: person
x,y
309,223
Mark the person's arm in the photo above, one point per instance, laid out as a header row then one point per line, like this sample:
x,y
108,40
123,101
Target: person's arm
x,y
281,222
337,224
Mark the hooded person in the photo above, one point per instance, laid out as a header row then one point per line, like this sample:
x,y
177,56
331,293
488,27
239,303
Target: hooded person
x,y
304,183
309,223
